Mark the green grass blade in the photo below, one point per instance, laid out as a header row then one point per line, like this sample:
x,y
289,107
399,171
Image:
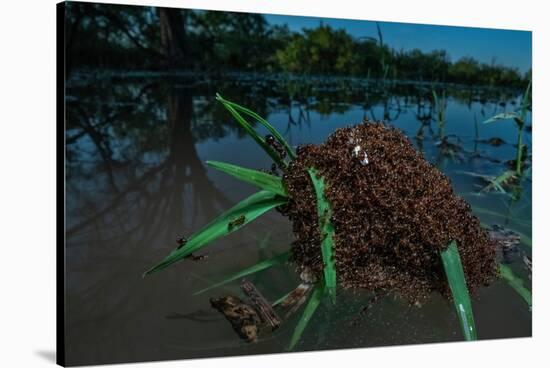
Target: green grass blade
x,y
248,128
262,121
499,180
525,239
281,299
515,282
525,103
504,177
436,100
247,210
309,310
260,266
480,211
260,179
502,116
326,229
265,241
457,284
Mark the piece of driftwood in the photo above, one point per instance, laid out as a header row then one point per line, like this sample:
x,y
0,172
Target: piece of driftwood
x,y
243,317
264,309
508,249
504,237
507,243
528,262
295,299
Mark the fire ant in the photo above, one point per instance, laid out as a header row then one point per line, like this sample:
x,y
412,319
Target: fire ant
x,y
181,241
272,142
239,221
196,258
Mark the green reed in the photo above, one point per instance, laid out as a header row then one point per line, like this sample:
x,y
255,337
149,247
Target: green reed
x,y
520,118
273,194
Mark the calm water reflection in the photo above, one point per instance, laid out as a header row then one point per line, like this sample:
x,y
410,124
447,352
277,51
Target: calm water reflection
x,y
136,180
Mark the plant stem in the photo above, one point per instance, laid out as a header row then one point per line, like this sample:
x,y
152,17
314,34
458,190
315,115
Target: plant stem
x,y
519,153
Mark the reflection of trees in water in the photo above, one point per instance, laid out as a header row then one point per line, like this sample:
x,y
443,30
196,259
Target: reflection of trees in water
x,y
150,165
148,141
131,181
132,137
134,143
391,109
424,116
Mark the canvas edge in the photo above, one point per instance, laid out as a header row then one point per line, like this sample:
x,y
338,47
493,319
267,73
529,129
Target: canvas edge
x,y
60,184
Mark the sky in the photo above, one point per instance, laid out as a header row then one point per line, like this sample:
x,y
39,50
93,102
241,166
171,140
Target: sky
x,y
505,47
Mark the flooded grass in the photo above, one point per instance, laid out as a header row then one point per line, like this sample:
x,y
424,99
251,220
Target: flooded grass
x,y
519,118
399,266
145,182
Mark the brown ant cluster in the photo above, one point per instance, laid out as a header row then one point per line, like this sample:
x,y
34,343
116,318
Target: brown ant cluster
x,y
393,213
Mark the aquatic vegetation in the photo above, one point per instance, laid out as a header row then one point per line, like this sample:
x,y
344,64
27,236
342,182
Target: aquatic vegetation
x,y
309,310
324,214
520,118
498,182
258,178
440,104
260,266
356,222
247,210
231,106
250,130
457,284
516,283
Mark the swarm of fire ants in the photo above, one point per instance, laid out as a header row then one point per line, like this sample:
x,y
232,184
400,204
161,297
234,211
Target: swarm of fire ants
x,y
393,212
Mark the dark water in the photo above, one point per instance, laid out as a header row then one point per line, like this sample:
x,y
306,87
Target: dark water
x,y
136,180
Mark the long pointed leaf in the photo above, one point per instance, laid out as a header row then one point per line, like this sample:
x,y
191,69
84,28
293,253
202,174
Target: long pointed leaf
x,y
517,221
260,179
457,284
228,222
515,282
525,102
264,122
504,177
309,310
499,180
260,266
326,229
282,298
248,128
502,116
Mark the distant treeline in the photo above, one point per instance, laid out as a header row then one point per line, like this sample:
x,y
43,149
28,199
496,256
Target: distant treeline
x,y
132,37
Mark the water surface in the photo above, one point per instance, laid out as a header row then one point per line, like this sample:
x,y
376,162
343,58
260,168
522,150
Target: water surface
x,y
136,180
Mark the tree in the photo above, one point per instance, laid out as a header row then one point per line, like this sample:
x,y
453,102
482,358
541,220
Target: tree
x,y
465,70
172,35
321,50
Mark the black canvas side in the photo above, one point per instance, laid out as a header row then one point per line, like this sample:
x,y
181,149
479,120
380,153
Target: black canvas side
x,y
60,186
